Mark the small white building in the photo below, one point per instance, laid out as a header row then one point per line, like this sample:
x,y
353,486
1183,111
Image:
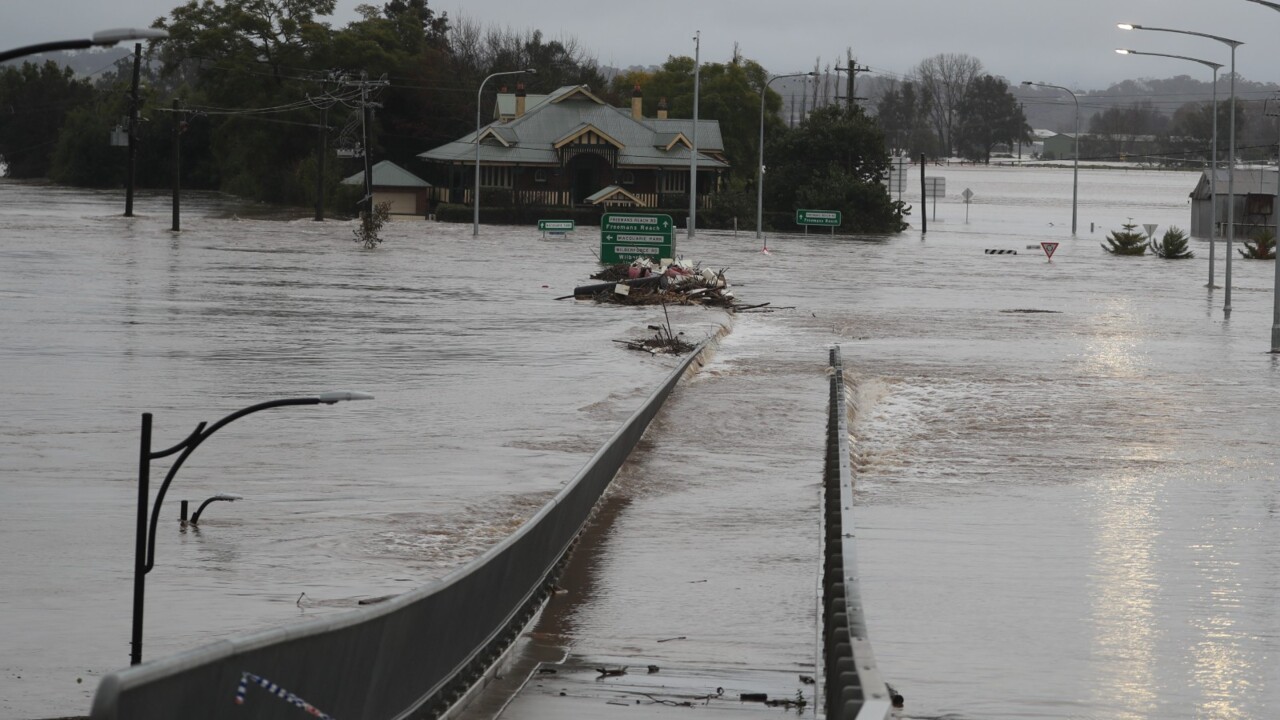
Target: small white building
x,y
1254,202
406,192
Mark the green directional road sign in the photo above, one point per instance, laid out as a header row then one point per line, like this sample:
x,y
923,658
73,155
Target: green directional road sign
x,y
625,237
825,218
555,225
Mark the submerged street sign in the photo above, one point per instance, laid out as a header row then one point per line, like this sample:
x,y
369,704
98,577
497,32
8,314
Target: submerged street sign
x,y
625,237
825,218
555,225
1049,248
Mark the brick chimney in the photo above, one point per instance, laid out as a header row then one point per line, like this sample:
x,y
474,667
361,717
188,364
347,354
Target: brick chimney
x,y
662,108
519,99
637,111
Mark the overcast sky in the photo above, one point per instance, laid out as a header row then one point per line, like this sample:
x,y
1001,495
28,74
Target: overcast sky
x,y
1063,42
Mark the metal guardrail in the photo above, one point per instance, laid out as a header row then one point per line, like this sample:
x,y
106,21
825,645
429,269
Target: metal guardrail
x,y
412,656
853,687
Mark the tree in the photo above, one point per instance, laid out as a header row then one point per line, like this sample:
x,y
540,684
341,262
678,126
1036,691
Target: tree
x,y
945,80
903,114
1127,241
36,101
835,160
1261,245
730,94
988,114
1173,246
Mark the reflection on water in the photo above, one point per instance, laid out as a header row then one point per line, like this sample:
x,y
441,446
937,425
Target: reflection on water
x,y
1064,513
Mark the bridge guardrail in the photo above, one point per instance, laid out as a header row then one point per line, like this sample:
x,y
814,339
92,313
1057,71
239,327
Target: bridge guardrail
x,y
412,656
852,685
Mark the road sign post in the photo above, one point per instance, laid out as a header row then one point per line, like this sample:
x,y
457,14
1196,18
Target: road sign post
x,y
935,187
1049,248
555,227
821,218
625,237
968,200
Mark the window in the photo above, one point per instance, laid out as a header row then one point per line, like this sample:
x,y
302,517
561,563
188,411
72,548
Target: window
x,y
495,177
675,182
628,177
540,175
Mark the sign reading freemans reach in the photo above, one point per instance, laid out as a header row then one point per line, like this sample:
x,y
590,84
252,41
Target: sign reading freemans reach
x,y
825,218
625,237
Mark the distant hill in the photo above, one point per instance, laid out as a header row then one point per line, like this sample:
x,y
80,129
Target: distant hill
x,y
84,63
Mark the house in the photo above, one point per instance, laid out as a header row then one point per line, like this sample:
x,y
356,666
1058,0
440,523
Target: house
x,y
1255,193
570,147
406,192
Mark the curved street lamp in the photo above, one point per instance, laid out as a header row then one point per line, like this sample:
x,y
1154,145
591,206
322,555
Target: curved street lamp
x,y
103,38
1213,176
1275,292
760,167
145,539
475,200
1075,172
1231,145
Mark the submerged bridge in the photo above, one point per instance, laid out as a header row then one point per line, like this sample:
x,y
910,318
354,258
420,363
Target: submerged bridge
x,y
450,648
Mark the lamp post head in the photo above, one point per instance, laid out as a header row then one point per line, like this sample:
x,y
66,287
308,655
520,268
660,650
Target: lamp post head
x,y
531,71
1128,26
329,398
228,497
1123,51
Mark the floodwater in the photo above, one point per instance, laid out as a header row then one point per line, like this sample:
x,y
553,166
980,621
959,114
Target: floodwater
x,y
1066,506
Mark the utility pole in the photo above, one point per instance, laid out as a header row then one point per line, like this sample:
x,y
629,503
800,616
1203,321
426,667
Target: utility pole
x,y
322,131
364,83
177,166
133,130
693,155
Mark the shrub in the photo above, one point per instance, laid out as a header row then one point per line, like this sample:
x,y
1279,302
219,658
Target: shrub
x,y
1173,246
1126,242
1261,245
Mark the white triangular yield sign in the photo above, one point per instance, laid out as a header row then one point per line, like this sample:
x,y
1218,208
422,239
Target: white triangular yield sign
x,y
1049,248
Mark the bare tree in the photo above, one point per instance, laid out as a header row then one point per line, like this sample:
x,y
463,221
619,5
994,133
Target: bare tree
x,y
945,79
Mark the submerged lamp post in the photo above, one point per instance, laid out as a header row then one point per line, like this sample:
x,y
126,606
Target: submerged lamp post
x,y
475,199
1275,293
145,540
1213,175
760,167
1075,172
104,38
1231,146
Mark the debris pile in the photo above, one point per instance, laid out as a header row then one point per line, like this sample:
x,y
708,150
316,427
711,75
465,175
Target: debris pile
x,y
669,282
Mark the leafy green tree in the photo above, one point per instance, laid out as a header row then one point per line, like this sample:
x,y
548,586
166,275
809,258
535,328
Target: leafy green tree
x,y
988,114
35,101
836,156
1127,241
730,94
1173,246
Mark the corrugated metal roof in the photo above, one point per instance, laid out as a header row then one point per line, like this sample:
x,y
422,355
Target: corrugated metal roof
x,y
388,174
1248,182
539,128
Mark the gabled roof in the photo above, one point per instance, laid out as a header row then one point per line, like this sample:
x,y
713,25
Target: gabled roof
x,y
389,174
1247,182
581,130
612,192
642,143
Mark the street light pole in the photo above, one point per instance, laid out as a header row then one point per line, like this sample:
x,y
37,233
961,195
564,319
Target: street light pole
x,y
760,166
145,537
105,38
1213,174
475,198
1275,292
693,155
1231,146
1075,171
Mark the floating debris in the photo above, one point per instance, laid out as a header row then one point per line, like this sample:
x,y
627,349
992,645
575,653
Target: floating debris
x,y
669,283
